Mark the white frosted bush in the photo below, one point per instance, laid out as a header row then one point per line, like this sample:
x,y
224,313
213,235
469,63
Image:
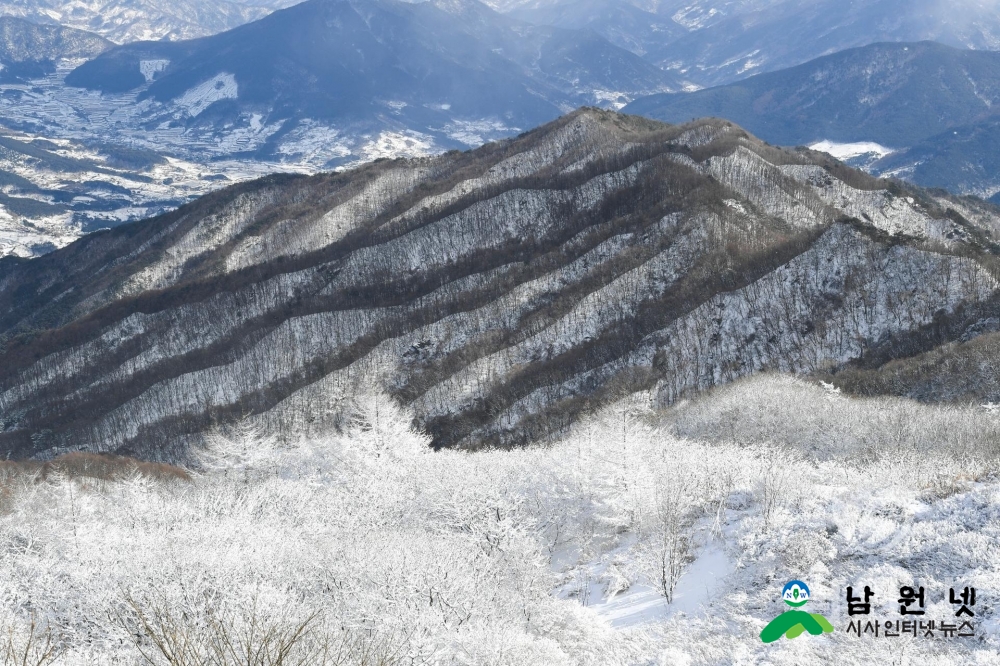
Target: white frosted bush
x,y
370,548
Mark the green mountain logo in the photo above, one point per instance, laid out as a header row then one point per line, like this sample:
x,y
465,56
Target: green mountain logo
x,y
794,623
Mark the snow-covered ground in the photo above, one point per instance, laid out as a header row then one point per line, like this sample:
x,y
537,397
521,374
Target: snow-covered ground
x,y
48,107
78,188
846,152
25,238
199,158
623,544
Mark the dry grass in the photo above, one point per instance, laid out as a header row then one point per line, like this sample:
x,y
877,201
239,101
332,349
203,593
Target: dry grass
x,y
92,466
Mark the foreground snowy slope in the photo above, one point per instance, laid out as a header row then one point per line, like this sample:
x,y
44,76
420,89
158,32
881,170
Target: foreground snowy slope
x,y
499,293
369,548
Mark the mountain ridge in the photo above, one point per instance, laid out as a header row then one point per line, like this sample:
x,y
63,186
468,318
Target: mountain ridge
x,y
376,64
341,83
930,110
889,93
498,293
28,50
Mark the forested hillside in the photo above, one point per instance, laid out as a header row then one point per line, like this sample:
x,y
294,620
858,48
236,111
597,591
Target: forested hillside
x,y
498,293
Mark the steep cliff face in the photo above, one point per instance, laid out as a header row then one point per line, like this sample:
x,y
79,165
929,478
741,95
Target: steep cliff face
x,y
500,292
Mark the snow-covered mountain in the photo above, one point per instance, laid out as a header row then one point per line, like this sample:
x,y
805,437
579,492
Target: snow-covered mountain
x,y
712,42
923,111
895,94
341,83
23,41
498,293
383,78
377,64
620,22
125,21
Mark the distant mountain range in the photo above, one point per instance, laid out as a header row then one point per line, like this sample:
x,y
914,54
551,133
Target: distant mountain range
x,y
29,50
924,101
894,94
348,81
703,42
432,68
339,83
499,293
711,42
620,22
125,21
965,158
767,35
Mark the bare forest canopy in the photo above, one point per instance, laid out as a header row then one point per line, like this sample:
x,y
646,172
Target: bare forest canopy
x,y
499,294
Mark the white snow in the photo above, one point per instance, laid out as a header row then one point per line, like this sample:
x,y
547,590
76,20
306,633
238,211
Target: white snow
x,y
694,17
315,143
219,87
463,556
846,151
477,132
398,144
150,68
614,99
28,238
702,583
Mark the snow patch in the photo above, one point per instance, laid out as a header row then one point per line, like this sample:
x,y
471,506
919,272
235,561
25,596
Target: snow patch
x,y
694,17
847,151
314,143
150,68
737,206
398,144
613,99
219,87
698,587
478,132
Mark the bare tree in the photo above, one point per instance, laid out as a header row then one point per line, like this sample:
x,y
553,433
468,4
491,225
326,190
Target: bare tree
x,y
31,648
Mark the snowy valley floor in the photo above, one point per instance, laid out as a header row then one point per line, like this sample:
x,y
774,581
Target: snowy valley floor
x,y
369,548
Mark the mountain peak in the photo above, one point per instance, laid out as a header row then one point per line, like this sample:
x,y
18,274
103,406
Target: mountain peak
x,y
560,268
